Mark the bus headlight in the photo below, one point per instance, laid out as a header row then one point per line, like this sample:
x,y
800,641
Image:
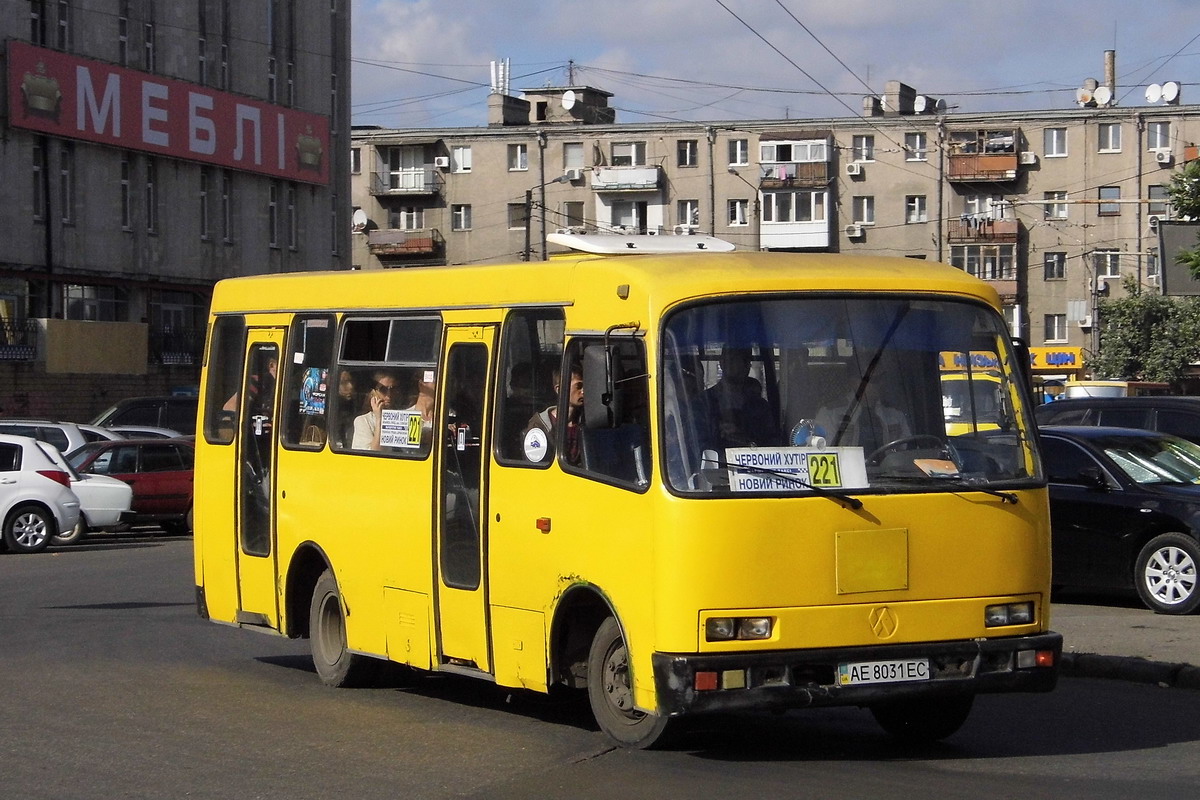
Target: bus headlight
x,y
723,629
1008,614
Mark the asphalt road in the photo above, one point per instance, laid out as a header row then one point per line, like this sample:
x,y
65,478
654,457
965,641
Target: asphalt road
x,y
112,687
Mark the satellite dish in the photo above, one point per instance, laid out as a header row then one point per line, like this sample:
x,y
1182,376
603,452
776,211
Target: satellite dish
x,y
568,99
920,103
1154,93
1102,95
1170,91
359,220
940,106
1083,97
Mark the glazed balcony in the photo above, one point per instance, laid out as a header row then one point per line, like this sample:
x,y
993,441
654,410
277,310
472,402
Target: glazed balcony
x,y
624,179
784,175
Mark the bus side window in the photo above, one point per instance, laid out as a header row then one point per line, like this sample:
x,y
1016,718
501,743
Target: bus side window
x,y
308,388
615,445
226,350
531,352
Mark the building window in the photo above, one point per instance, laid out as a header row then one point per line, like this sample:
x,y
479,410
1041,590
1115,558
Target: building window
x,y
739,152
151,195
1056,327
291,84
573,155
1055,266
227,207
572,212
806,151
408,218
518,217
629,154
1054,205
64,25
293,226
123,35
737,212
518,157
37,22
1109,195
95,303
335,223
126,194
1054,143
688,213
863,206
205,191
202,61
355,160
991,262
273,214
1159,205
1110,137
1152,267
802,206
916,147
148,47
1108,263
39,181
916,209
687,153
1158,135
224,66
272,82
863,148
460,217
460,158
66,182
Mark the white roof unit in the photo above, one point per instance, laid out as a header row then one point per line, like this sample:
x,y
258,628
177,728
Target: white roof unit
x,y
610,244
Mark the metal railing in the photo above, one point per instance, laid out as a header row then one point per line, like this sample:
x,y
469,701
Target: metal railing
x,y
18,340
177,346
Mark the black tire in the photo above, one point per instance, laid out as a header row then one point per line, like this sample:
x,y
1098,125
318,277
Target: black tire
x,y
29,529
924,720
336,665
610,693
74,535
1167,572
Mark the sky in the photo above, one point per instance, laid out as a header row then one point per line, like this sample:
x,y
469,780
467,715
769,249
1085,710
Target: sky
x,y
425,63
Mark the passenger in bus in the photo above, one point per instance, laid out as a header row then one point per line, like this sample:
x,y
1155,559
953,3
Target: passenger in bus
x,y
547,419
424,402
869,423
342,427
740,414
261,388
385,387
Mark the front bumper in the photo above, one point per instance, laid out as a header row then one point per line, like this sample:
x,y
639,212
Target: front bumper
x,y
782,679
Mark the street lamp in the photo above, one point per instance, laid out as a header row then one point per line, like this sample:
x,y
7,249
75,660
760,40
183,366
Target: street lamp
x,y
757,221
529,212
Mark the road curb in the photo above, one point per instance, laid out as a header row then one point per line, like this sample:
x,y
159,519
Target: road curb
x,y
1127,668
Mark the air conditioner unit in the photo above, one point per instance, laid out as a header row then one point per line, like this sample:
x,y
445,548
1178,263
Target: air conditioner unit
x,y
685,230
854,231
1153,221
441,161
854,168
573,174
1086,322
1164,156
1028,158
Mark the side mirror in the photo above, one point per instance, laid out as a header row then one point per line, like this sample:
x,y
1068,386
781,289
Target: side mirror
x,y
1092,477
600,408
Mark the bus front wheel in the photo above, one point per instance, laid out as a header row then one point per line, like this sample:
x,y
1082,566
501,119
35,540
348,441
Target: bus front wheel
x,y
610,692
336,665
924,720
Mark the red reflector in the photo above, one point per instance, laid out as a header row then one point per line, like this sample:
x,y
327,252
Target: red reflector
x,y
1045,658
56,475
543,524
706,681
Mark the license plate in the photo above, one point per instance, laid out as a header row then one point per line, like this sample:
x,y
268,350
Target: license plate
x,y
859,672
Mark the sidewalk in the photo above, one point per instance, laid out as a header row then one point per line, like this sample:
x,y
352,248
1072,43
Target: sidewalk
x,y
1127,643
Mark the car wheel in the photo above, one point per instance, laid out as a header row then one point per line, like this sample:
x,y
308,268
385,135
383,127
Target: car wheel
x,y
336,665
1166,574
610,693
924,720
28,529
74,535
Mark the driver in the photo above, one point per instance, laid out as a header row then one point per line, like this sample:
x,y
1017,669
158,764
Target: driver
x,y
869,424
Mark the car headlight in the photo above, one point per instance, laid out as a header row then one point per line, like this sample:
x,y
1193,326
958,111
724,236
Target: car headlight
x,y
1008,614
723,629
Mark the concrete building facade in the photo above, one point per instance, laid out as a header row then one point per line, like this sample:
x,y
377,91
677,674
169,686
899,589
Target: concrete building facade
x,y
152,148
1054,208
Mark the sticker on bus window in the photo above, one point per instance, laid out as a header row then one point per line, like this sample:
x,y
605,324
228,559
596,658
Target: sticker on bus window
x,y
312,391
400,429
795,469
537,445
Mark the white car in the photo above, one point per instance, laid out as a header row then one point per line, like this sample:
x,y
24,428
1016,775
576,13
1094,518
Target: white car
x,y
104,502
36,500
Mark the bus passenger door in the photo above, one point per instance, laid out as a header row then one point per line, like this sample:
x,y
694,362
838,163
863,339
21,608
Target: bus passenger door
x,y
257,598
461,550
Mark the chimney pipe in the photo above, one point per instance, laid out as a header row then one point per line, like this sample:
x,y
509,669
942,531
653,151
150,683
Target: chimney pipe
x,y
1110,71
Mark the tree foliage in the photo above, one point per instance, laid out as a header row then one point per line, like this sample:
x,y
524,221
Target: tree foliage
x,y
1147,336
1184,191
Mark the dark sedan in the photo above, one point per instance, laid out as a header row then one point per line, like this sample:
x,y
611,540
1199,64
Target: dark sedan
x,y
1125,511
159,470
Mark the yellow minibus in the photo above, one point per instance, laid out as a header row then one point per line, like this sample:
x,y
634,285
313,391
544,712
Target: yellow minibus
x,y
678,482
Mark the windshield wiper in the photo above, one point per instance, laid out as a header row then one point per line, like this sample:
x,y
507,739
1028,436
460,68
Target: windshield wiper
x,y
956,482
850,502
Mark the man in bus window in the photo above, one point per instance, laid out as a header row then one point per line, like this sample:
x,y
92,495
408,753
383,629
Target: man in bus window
x,y
742,416
547,420
869,423
385,388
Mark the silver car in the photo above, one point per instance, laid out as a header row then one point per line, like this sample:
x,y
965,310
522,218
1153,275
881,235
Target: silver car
x,y
36,499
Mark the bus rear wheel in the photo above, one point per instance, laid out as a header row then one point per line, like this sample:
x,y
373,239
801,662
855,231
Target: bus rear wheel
x,y
923,720
336,665
610,692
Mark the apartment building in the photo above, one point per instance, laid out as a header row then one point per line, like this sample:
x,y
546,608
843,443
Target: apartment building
x,y
1053,208
151,148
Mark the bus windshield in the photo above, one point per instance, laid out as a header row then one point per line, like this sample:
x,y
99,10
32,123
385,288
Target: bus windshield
x,y
789,395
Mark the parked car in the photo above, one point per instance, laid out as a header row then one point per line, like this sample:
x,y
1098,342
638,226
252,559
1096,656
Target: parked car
x,y
144,432
66,436
177,412
159,470
1125,512
36,500
104,502
1179,416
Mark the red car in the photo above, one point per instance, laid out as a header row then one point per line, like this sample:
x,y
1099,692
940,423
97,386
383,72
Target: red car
x,y
159,470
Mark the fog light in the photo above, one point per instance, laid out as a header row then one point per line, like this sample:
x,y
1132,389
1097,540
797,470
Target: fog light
x,y
733,679
719,629
1026,659
755,628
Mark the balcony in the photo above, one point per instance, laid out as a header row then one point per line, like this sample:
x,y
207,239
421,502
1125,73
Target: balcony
x,y
177,346
18,340
395,244
625,179
983,155
793,174
411,182
968,229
